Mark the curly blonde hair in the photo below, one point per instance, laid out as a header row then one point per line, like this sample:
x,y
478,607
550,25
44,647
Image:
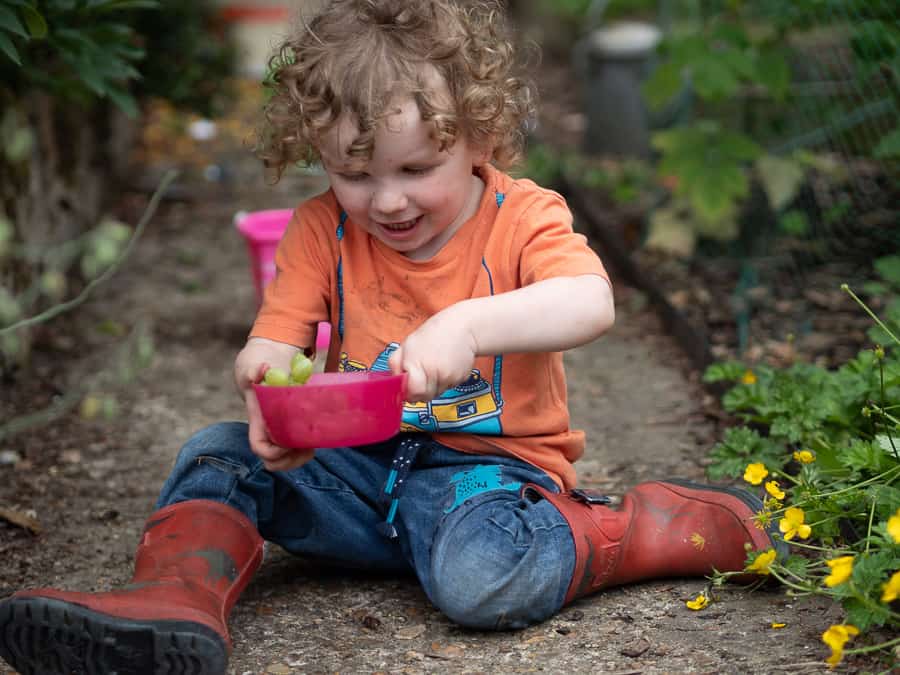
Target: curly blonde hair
x,y
357,56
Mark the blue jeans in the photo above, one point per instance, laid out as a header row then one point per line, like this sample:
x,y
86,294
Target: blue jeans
x,y
485,556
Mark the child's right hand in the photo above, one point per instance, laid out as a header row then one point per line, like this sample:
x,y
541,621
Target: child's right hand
x,y
250,366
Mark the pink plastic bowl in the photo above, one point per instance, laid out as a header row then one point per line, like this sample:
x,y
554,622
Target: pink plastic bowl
x,y
334,410
262,230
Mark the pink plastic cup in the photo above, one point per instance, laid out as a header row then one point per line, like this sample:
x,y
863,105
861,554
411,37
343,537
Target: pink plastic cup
x,y
262,230
334,410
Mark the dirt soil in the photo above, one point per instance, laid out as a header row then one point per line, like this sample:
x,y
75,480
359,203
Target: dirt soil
x,y
90,484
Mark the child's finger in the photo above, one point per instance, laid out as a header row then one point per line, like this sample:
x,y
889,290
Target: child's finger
x,y
395,361
292,459
416,384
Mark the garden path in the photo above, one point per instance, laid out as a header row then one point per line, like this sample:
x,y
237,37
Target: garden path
x,y
91,484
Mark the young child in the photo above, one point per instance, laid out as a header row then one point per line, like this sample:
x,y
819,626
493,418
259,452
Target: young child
x,y
426,259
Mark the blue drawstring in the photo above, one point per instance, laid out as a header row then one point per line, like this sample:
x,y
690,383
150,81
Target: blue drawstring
x,y
404,458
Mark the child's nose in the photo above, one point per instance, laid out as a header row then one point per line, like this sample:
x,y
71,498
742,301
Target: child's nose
x,y
388,199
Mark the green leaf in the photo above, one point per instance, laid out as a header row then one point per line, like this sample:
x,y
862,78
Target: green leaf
x,y
35,21
864,456
7,47
18,146
730,371
889,146
797,564
124,101
10,22
888,268
741,446
712,194
794,222
117,5
774,73
663,84
713,79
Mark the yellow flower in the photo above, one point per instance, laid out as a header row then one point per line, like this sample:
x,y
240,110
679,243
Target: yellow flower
x,y
804,456
698,603
773,489
841,569
891,588
749,377
792,524
754,473
893,527
762,562
778,624
836,637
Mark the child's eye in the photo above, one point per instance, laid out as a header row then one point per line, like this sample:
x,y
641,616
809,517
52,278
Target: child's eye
x,y
417,170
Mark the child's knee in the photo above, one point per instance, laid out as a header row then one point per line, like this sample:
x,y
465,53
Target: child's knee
x,y
501,575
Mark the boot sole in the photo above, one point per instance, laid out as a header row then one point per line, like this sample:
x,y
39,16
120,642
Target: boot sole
x,y
754,503
45,636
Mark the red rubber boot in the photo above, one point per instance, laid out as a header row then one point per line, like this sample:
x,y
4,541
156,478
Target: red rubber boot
x,y
192,563
663,529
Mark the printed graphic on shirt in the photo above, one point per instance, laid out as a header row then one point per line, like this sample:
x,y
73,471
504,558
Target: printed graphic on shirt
x,y
482,478
473,406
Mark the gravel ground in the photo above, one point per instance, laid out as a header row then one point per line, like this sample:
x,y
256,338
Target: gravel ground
x,y
90,485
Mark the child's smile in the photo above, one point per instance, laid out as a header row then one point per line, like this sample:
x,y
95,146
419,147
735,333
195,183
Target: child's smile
x,y
410,195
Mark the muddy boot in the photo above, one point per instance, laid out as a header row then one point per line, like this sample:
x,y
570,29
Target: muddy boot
x,y
663,529
193,561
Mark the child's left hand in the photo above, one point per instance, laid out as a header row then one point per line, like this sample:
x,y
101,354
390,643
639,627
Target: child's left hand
x,y
437,356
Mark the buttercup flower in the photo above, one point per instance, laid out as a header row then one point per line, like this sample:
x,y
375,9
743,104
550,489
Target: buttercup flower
x,y
762,562
836,637
841,569
891,589
698,603
804,456
893,527
754,473
773,489
792,524
749,377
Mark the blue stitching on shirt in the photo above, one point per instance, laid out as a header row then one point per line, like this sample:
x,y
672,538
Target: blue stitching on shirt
x,y
339,233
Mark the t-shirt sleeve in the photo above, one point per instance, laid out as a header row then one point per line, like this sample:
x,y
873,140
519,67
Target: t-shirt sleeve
x,y
546,244
300,294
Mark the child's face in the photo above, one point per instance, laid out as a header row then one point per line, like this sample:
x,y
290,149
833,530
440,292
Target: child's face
x,y
411,196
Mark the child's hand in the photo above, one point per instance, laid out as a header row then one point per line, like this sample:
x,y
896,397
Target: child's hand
x,y
437,356
250,367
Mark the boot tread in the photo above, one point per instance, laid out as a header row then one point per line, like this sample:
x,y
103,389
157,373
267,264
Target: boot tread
x,y
46,636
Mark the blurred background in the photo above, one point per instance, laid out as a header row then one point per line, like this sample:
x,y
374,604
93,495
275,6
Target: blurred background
x,y
734,161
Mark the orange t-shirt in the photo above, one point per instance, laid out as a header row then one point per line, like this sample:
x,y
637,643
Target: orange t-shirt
x,y
331,270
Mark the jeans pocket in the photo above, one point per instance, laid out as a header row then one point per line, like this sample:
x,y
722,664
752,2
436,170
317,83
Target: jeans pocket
x,y
225,465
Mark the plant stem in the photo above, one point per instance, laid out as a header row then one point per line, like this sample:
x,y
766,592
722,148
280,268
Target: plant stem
x,y
847,289
63,307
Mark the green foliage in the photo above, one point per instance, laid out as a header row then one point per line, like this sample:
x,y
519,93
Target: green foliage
x,y
888,270
189,62
76,51
737,61
709,162
829,440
